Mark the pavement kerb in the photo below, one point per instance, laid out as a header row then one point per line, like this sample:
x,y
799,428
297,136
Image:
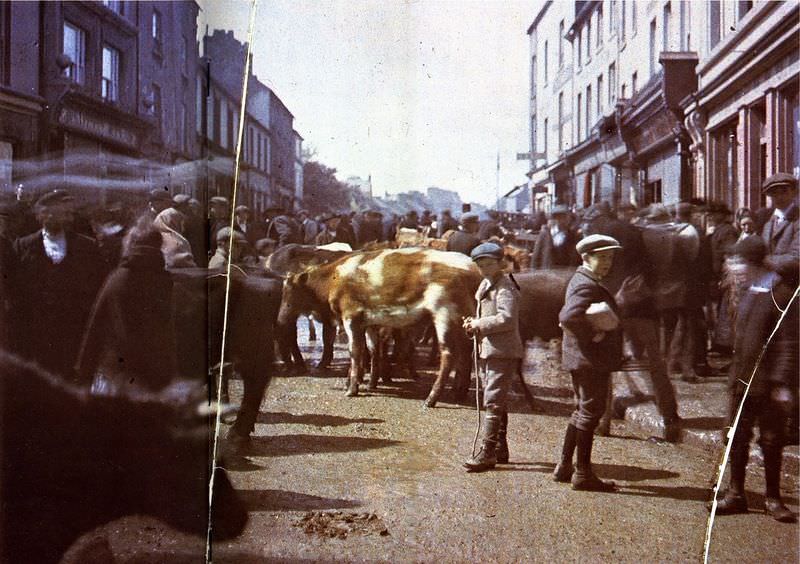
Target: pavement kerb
x,y
701,402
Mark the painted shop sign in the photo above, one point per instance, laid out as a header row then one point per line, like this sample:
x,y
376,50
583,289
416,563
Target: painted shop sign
x,y
87,123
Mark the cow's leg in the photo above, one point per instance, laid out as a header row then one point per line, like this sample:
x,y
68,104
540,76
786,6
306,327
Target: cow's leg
x,y
374,341
434,350
442,324
328,338
463,365
255,379
312,328
288,347
445,367
357,339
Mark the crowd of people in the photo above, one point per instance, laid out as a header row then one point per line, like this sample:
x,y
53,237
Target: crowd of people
x,y
688,281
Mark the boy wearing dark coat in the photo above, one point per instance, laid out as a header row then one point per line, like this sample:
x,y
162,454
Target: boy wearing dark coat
x,y
591,350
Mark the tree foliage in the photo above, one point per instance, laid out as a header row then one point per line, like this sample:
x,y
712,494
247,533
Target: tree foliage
x,y
324,193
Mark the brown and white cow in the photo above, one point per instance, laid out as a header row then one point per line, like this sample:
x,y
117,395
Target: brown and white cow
x,y
393,288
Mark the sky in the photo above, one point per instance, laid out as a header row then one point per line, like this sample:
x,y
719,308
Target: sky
x,y
413,93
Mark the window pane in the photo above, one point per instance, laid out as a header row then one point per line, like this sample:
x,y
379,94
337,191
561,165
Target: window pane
x,y
110,77
74,48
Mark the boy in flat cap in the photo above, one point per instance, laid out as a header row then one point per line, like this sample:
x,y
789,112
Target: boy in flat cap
x,y
496,326
591,350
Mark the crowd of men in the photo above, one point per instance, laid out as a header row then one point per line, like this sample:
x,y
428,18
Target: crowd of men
x,y
684,278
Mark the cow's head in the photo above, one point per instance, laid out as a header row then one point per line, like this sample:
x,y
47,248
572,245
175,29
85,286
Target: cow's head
x,y
297,298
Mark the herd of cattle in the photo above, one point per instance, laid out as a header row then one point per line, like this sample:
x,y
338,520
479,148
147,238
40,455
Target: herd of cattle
x,y
142,454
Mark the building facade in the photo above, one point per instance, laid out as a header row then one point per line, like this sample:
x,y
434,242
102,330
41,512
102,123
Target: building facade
x,y
271,148
744,118
21,104
649,100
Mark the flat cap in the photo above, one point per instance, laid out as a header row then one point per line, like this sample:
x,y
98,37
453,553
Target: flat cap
x,y
469,218
225,233
159,195
779,179
181,199
487,250
658,212
240,209
219,200
595,243
54,198
560,209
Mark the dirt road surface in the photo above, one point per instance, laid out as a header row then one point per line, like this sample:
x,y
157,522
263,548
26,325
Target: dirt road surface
x,y
379,479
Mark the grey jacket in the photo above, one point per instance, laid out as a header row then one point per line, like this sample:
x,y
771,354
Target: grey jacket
x,y
497,319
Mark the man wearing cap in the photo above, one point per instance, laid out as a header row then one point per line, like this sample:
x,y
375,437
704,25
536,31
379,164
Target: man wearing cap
x,y
158,199
219,216
368,227
772,395
591,350
671,249
220,258
490,227
496,330
332,231
244,224
309,226
555,245
466,238
446,223
194,228
54,279
281,227
781,230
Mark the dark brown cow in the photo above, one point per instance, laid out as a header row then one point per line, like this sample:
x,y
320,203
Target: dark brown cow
x,y
253,310
70,462
391,288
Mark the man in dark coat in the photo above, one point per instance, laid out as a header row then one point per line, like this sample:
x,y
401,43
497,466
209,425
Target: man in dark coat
x,y
466,238
555,245
490,227
309,226
129,342
772,395
219,216
54,279
369,228
410,220
281,227
446,223
194,228
639,316
671,249
591,350
781,231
